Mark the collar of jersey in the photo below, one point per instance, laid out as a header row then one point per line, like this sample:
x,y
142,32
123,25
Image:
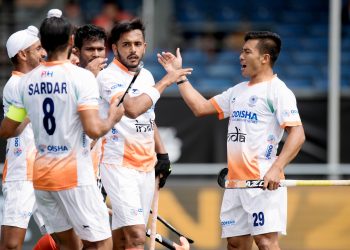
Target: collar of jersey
x,y
53,63
17,73
120,65
273,77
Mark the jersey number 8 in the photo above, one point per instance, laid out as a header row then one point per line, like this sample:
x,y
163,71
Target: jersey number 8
x,y
49,108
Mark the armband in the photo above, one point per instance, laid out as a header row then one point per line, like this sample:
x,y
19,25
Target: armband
x,y
153,93
16,114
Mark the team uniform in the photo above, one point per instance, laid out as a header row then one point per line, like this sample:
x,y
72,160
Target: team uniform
x,y
258,114
17,186
63,177
128,150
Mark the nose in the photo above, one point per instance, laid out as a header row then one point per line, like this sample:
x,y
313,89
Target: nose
x,y
95,53
43,53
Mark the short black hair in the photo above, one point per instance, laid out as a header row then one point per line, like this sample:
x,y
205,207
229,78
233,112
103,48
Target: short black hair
x,y
269,43
88,32
55,33
126,26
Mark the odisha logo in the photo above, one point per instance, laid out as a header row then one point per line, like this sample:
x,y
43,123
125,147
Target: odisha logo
x,y
17,151
253,117
252,100
42,148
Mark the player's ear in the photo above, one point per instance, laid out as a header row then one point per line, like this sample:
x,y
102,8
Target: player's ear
x,y
22,55
266,58
114,49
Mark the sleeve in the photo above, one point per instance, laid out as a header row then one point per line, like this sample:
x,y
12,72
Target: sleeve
x,y
88,93
221,103
13,97
286,108
110,88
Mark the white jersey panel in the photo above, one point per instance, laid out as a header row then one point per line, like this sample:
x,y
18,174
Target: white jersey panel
x,y
131,142
257,116
20,150
52,94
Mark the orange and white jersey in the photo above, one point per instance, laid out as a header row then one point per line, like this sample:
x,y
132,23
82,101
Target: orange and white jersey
x,y
20,150
131,142
53,94
258,114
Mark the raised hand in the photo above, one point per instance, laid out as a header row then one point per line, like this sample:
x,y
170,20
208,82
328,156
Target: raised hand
x,y
173,75
169,61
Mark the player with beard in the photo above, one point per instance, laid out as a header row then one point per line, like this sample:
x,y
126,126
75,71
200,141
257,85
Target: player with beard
x,y
130,148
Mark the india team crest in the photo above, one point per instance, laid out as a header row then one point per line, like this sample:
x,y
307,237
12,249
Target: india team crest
x,y
252,100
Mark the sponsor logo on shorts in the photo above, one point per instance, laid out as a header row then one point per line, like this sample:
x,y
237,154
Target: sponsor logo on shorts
x,y
228,223
136,211
25,214
237,136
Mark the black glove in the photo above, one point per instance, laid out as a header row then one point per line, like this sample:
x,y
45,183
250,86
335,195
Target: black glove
x,y
162,168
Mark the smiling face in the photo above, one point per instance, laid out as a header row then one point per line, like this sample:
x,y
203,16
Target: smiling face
x,y
35,54
130,49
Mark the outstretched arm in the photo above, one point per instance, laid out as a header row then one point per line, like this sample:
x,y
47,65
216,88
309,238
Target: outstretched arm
x,y
199,105
135,106
291,147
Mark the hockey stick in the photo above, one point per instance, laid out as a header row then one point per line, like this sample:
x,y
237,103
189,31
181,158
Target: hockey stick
x,y
137,72
154,215
168,225
161,240
235,184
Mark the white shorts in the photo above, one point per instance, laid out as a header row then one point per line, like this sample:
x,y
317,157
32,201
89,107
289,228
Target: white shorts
x,y
80,208
19,204
130,192
253,212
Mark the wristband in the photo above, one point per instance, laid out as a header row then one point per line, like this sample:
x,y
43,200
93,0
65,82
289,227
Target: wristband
x,y
153,93
182,81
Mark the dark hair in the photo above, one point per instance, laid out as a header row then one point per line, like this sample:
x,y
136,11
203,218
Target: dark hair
x,y
88,32
126,26
269,43
55,33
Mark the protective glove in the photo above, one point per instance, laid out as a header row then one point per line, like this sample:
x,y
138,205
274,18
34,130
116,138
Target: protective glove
x,y
162,168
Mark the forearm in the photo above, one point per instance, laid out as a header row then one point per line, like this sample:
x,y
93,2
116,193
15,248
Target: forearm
x,y
198,104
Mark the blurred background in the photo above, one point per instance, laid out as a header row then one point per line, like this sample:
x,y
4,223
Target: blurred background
x,y
314,63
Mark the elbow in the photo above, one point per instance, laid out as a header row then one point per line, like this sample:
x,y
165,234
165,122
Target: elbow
x,y
93,133
198,113
131,114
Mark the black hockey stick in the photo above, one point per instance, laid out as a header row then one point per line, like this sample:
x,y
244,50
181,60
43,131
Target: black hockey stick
x,y
168,225
161,240
137,72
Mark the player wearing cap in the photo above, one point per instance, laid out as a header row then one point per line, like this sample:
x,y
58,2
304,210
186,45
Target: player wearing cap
x,y
61,102
25,52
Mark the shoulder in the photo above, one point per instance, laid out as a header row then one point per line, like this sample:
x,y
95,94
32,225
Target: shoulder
x,y
111,72
280,86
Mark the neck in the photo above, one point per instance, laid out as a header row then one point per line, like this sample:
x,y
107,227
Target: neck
x,y
58,55
264,76
23,68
